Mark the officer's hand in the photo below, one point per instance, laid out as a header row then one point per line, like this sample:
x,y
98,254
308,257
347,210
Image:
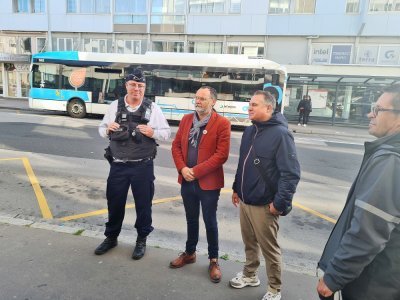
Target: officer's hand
x,y
323,289
146,130
273,210
188,174
112,127
235,199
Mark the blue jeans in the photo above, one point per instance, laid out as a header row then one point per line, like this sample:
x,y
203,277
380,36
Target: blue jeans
x,y
140,178
192,196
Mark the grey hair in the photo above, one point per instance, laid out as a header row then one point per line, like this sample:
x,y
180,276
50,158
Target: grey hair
x,y
268,98
213,92
395,91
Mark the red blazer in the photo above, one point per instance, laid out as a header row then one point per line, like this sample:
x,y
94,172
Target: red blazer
x,y
213,150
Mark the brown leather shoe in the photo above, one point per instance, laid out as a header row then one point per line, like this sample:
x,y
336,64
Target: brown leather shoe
x,y
183,259
214,271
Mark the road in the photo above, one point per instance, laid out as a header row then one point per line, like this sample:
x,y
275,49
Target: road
x,y
66,160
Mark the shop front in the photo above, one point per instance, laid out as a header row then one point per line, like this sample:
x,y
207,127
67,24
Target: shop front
x,y
14,75
344,98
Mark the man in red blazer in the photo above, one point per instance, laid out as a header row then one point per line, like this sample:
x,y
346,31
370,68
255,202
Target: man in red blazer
x,y
200,148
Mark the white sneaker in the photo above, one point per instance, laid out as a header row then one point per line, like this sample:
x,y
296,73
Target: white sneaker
x,y
271,296
240,281
298,124
305,125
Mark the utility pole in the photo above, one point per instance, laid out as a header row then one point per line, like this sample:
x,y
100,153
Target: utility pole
x,y
49,38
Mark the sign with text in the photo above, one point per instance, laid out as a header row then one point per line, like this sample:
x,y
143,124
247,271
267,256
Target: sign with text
x,y
367,54
14,57
341,54
389,55
320,54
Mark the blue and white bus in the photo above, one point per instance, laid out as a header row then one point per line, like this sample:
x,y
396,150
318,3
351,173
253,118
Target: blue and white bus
x,y
81,82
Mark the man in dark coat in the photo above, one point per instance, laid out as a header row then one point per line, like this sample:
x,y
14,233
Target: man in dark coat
x,y
362,255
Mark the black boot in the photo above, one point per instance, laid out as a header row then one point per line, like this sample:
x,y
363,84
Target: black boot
x,y
107,244
140,248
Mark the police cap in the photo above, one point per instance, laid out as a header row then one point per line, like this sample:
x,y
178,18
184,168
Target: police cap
x,y
136,75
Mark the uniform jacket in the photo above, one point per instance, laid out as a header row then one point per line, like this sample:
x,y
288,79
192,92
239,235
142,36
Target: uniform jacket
x,y
272,143
362,255
213,150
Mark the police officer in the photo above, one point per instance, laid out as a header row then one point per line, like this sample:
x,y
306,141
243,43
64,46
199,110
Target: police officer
x,y
132,124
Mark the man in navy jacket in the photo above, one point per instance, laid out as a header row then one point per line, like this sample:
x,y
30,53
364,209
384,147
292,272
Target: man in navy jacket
x,y
265,181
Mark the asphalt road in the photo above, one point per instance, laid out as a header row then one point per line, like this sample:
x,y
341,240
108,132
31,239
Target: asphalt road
x,y
66,157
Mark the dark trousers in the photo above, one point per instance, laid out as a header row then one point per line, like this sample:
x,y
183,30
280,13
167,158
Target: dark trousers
x,y
193,196
304,114
140,177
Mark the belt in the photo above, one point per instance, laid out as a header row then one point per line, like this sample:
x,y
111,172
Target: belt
x,y
133,160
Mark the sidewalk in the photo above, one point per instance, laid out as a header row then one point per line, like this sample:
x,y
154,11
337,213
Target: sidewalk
x,y
42,261
320,129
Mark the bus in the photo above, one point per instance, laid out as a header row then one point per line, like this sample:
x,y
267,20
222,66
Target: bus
x,y
81,83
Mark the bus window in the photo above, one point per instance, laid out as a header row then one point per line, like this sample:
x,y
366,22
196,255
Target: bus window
x,y
37,71
51,77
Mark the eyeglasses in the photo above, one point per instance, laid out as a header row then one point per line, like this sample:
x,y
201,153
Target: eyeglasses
x,y
200,98
140,86
376,109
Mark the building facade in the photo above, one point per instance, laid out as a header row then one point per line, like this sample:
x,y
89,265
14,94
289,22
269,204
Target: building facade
x,y
339,52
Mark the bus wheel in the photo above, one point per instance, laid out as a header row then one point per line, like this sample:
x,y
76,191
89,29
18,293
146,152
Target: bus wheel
x,y
76,108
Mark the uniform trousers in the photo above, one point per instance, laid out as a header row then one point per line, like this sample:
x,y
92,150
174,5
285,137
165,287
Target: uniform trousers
x,y
139,176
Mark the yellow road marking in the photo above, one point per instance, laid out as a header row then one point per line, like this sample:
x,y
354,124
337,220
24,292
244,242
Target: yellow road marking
x,y
44,208
105,211
46,213
16,158
305,208
314,212
165,200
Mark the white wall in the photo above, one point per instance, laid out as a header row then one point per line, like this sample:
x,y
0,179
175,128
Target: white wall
x,y
287,50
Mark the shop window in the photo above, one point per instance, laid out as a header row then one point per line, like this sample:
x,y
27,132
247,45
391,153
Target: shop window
x,y
24,84
1,82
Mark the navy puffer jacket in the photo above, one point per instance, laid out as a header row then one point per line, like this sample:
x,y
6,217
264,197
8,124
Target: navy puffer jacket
x,y
273,144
